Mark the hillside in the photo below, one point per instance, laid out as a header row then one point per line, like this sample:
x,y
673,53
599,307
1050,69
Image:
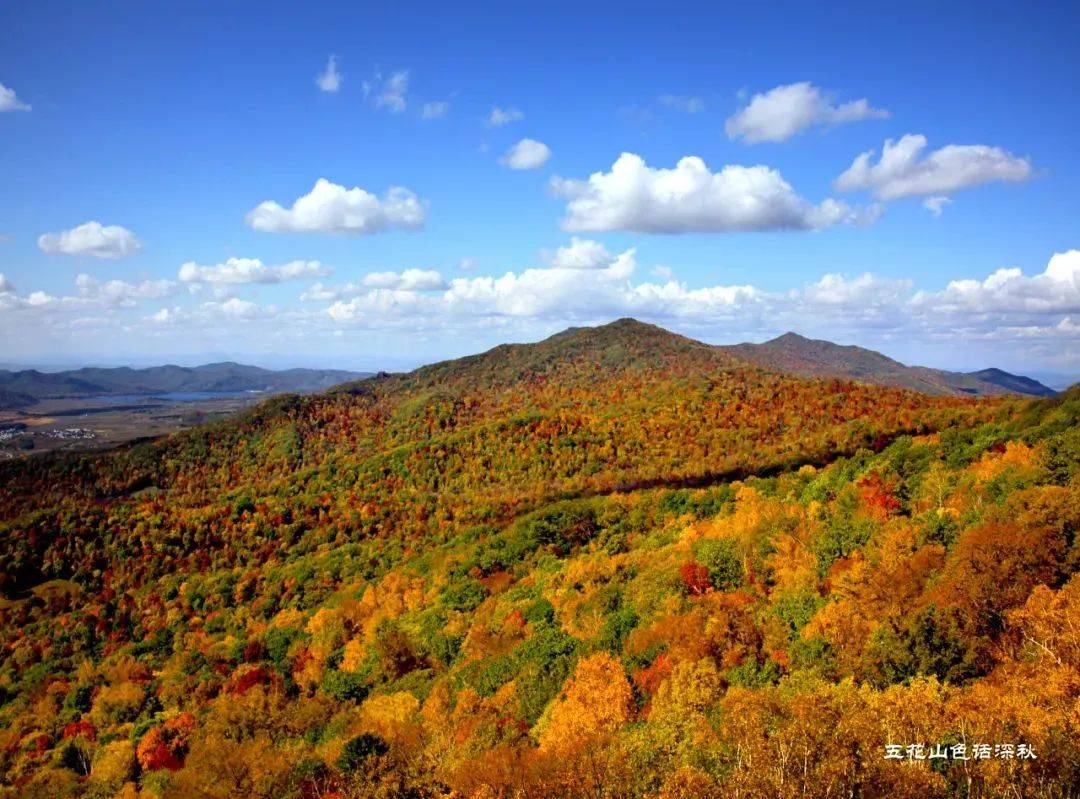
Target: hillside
x,y
806,357
618,562
22,388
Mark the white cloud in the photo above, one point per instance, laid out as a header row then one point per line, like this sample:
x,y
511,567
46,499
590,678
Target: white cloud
x,y
166,316
331,208
1006,318
691,198
388,93
112,295
582,254
41,298
10,102
866,307
935,205
227,311
904,171
250,270
1008,292
244,309
435,110
467,264
319,292
867,292
662,272
558,292
93,239
120,293
503,116
785,111
295,270
409,280
527,154
329,80
685,103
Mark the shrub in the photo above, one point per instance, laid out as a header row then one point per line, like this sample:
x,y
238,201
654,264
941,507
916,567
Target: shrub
x,y
278,641
722,560
357,751
695,578
344,686
843,533
464,595
540,612
929,644
616,627
796,609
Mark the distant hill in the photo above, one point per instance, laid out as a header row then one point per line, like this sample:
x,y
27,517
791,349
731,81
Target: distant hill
x,y
25,387
807,357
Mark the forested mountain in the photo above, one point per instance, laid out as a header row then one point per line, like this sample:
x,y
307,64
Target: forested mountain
x,y
806,357
21,388
615,563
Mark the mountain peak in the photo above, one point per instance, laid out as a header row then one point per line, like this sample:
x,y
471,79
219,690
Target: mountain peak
x,y
808,357
624,343
790,338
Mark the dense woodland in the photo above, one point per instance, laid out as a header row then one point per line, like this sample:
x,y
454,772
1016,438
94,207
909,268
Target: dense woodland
x,y
618,563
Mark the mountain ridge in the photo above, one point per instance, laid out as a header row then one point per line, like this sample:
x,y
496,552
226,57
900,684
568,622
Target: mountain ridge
x,y
807,357
24,387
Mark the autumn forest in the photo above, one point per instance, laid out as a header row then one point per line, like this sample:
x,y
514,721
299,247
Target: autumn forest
x,y
616,563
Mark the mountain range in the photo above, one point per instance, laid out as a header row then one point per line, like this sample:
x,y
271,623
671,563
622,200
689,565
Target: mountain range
x,y
807,357
789,353
25,387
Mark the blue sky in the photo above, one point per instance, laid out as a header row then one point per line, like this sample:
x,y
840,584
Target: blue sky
x,y
174,121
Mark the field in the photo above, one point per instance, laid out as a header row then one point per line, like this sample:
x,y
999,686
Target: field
x,y
71,425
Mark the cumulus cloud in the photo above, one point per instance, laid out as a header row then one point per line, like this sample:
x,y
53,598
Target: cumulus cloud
x,y
9,101
409,280
111,295
93,239
216,312
1007,318
783,112
244,309
690,198
1005,307
866,302
583,254
319,292
527,154
250,270
388,93
905,171
329,80
685,103
120,293
435,110
1010,292
331,208
558,292
503,116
